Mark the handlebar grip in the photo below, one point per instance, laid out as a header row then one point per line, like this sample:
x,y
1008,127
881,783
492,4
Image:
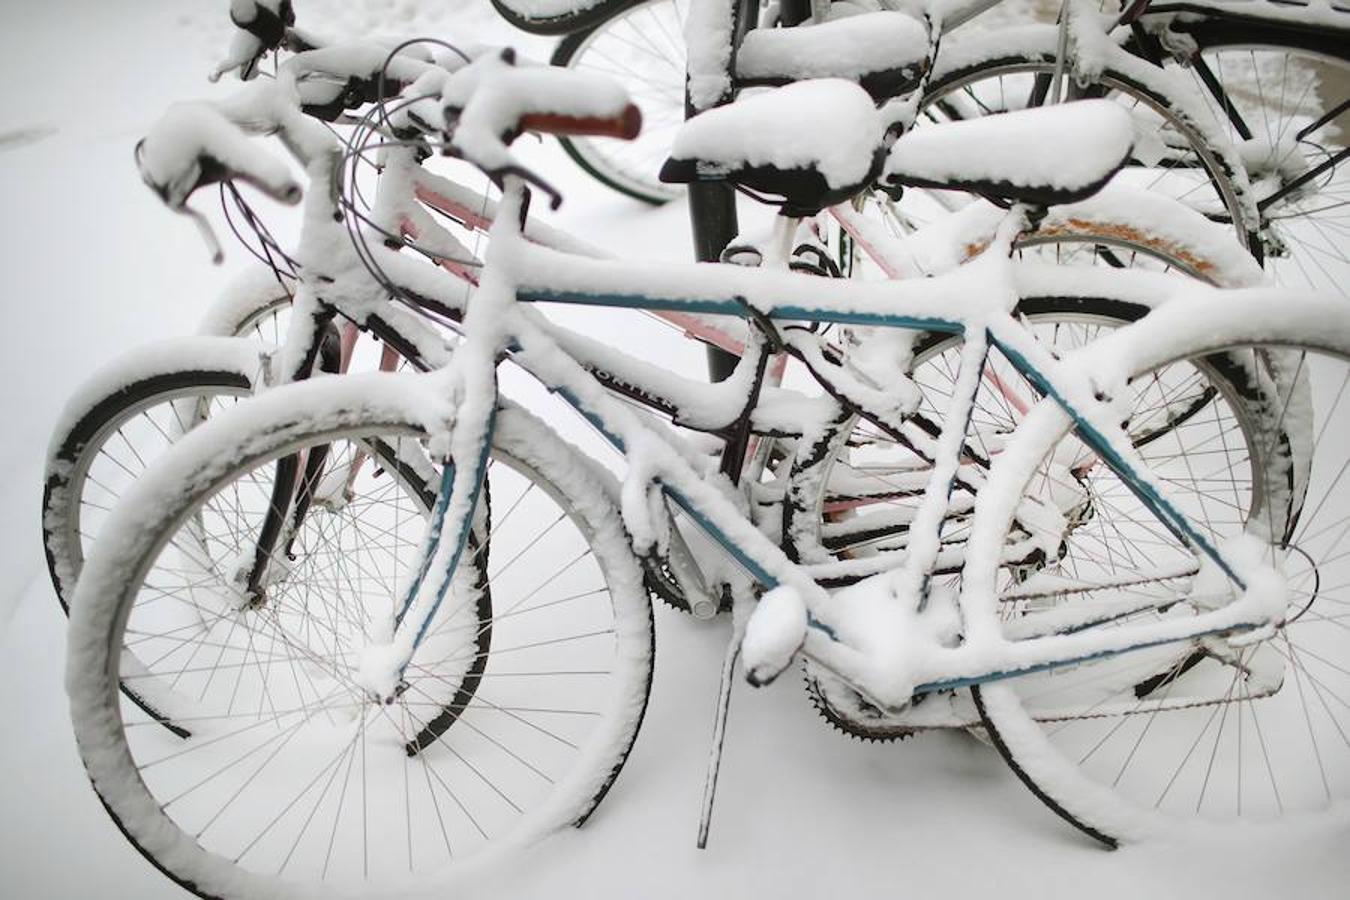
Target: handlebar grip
x,y
626,125
195,144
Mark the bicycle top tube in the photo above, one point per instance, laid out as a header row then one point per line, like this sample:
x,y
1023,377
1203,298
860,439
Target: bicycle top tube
x,y
943,303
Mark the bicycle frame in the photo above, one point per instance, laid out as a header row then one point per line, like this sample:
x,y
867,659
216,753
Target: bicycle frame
x,y
967,302
961,304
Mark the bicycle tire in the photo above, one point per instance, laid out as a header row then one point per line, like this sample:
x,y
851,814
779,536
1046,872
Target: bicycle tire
x,y
654,29
143,385
1031,51
255,305
1311,71
269,428
564,23
1160,738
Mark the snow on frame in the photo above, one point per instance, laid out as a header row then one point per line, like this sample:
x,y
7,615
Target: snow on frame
x,y
1068,147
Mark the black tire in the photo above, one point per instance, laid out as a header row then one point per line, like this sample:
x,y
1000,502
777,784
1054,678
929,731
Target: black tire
x,y
1134,743
650,26
1032,53
565,780
75,445
565,23
1278,79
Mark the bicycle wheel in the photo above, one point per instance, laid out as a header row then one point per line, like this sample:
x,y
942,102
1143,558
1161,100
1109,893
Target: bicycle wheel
x,y
256,305
1156,236
873,480
124,416
119,422
1282,95
1179,148
1207,729
295,782
643,49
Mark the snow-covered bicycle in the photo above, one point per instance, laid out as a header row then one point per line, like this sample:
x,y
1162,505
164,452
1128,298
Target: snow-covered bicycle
x,y
127,413
1240,106
365,731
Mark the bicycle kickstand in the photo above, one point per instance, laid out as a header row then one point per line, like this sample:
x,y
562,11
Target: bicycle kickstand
x,y
742,604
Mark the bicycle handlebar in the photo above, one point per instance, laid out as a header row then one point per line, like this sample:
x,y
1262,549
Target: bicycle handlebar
x,y
262,27
490,102
484,105
194,144
624,126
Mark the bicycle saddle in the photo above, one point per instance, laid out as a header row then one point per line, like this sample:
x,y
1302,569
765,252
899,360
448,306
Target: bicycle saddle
x,y
1043,156
885,52
814,143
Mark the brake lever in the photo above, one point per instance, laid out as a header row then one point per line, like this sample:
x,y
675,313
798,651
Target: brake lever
x,y
554,197
262,32
497,173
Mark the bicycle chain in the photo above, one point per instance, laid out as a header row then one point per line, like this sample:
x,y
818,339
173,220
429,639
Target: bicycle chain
x,y
852,727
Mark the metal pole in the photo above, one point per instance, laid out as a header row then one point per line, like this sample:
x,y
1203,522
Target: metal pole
x,y
712,205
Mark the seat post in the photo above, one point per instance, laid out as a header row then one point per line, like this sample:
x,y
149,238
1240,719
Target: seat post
x,y
712,205
712,212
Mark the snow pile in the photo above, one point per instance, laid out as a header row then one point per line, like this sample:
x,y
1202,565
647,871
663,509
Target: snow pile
x,y
773,634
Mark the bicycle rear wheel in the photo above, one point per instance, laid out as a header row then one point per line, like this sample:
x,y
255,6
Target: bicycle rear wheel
x,y
1178,148
1283,96
1205,729
517,715
643,49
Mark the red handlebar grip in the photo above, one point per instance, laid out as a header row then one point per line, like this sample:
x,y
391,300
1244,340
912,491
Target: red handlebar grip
x,y
625,125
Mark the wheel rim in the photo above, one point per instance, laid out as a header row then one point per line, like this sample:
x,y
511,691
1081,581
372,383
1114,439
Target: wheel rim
x,y
1278,92
113,457
1206,730
264,791
643,49
267,323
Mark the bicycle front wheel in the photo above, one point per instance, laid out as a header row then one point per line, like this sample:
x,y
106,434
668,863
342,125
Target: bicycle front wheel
x,y
119,422
519,708
1212,728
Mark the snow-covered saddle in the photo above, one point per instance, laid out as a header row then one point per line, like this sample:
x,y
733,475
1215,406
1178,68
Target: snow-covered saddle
x,y
884,52
1044,156
814,143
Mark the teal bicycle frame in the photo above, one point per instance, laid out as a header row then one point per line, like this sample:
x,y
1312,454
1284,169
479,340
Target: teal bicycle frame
x,y
518,270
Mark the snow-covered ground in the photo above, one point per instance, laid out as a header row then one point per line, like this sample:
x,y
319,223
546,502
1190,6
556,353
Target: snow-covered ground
x,y
91,264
